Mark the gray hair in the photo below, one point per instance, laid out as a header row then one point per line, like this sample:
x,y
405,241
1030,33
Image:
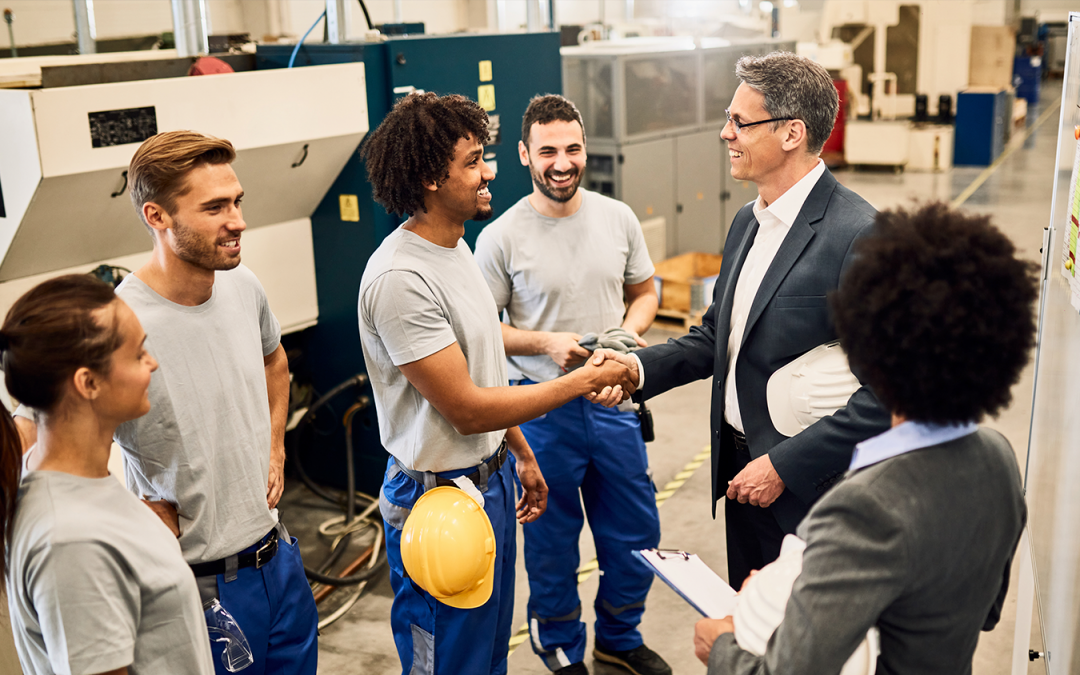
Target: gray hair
x,y
794,87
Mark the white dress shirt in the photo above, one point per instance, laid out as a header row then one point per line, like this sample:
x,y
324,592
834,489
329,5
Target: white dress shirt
x,y
774,223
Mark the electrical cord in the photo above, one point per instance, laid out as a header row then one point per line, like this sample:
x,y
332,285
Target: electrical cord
x,y
296,49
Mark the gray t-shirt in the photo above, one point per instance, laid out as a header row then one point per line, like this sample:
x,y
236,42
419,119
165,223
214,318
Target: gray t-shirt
x,y
97,582
416,299
562,274
205,444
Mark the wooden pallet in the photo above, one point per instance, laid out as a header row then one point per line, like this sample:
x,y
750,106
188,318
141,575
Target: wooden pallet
x,y
674,319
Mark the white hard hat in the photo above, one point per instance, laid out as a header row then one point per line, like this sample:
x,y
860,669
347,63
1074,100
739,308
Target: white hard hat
x,y
764,598
815,385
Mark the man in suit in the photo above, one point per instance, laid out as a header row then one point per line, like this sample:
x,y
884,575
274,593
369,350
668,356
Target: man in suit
x,y
784,253
938,314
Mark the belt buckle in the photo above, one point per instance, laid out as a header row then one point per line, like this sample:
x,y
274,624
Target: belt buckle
x,y
269,548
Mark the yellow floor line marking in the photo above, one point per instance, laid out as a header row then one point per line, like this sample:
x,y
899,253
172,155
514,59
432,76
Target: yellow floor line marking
x,y
1013,145
586,570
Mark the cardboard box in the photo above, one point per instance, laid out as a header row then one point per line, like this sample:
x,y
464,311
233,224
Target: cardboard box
x,y
685,283
992,51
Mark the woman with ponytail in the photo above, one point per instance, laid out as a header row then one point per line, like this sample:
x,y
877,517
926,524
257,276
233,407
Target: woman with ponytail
x,y
95,581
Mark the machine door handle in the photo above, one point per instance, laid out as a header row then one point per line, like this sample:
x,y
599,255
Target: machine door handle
x,y
678,208
122,187
302,158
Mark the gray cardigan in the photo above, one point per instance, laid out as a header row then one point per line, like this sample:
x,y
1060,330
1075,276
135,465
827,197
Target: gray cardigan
x,y
919,545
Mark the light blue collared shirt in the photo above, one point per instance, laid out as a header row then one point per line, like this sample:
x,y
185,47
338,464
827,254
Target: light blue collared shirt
x,y
905,438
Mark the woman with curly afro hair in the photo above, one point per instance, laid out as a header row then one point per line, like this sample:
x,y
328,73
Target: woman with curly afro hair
x,y
433,347
937,315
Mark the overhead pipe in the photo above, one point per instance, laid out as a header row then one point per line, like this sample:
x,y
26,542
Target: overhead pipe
x,y
501,16
399,15
190,27
337,28
85,31
533,22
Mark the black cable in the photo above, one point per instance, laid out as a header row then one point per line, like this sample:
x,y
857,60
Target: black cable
x,y
357,381
367,17
350,513
319,574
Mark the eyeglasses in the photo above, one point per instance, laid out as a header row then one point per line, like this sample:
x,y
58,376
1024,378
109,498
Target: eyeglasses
x,y
739,126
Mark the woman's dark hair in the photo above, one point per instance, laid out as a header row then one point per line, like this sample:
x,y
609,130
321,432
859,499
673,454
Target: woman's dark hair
x,y
937,314
48,334
414,146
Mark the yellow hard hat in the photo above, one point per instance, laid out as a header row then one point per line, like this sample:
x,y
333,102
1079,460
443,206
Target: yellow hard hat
x,y
448,548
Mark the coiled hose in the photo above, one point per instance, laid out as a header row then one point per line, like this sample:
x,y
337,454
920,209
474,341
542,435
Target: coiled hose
x,y
341,527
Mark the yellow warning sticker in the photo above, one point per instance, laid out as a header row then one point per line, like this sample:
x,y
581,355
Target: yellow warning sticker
x,y
485,71
485,96
350,208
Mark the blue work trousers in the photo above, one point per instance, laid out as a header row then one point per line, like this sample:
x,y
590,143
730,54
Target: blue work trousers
x,y
437,639
593,455
274,607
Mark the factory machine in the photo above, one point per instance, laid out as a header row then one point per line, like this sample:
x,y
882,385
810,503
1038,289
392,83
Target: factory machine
x,y
501,72
312,224
653,111
64,152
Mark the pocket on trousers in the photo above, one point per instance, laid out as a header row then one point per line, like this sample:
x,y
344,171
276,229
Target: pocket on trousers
x,y
393,514
423,645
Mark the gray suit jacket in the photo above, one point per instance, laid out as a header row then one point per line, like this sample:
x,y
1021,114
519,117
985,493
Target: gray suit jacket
x,y
919,545
789,317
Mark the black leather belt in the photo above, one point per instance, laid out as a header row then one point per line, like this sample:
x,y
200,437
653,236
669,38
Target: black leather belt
x,y
268,547
493,463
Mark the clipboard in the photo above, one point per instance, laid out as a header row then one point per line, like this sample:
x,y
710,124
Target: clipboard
x,y
692,579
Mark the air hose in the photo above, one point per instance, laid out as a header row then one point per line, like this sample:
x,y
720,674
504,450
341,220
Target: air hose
x,y
342,527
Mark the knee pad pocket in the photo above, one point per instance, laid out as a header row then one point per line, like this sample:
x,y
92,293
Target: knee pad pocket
x,y
423,661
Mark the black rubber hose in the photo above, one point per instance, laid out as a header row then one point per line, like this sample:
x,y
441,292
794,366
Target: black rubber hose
x,y
336,553
350,513
320,575
354,381
350,502
367,17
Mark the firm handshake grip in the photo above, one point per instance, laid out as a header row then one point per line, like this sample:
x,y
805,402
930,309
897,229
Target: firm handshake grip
x,y
612,376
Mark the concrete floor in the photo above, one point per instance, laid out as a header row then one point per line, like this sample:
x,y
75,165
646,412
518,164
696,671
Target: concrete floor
x,y
1017,195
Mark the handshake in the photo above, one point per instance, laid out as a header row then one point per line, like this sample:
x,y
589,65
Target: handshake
x,y
608,377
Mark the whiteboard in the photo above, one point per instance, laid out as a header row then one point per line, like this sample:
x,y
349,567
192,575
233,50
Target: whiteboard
x,y
1052,478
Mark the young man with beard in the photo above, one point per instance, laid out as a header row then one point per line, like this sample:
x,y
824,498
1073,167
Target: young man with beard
x,y
210,454
434,353
559,263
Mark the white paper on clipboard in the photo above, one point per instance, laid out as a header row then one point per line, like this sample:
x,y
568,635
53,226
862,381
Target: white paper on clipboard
x,y
691,578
